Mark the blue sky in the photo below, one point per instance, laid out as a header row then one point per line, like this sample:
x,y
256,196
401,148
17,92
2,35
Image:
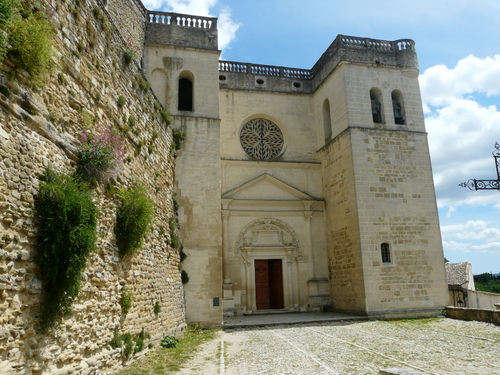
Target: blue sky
x,y
459,56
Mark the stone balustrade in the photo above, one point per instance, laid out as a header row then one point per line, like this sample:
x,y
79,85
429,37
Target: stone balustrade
x,y
374,44
233,67
183,20
263,70
404,44
342,43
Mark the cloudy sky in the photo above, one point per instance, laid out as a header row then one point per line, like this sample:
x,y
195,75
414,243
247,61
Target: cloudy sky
x,y
458,46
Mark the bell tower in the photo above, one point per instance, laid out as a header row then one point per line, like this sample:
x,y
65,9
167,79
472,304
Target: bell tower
x,y
384,242
181,62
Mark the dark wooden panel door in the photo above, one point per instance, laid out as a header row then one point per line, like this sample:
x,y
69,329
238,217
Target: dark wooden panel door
x,y
269,284
276,283
262,284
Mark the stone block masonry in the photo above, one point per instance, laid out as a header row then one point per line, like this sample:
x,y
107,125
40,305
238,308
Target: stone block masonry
x,y
37,130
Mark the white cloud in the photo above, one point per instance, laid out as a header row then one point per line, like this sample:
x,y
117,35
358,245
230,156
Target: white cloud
x,y
195,7
472,236
153,4
442,86
467,247
472,230
226,26
462,131
227,29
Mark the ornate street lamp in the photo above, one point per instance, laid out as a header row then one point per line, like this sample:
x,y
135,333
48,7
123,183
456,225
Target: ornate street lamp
x,y
474,184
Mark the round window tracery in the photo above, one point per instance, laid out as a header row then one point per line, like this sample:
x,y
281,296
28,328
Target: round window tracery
x,y
261,139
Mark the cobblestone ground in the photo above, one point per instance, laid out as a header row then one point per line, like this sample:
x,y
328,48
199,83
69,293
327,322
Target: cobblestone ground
x,y
435,346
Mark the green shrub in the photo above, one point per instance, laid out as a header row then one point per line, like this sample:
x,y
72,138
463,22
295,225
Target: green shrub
x,y
184,277
98,13
174,239
7,8
157,308
131,121
126,301
120,102
144,334
128,349
128,56
4,44
5,91
117,340
177,138
129,344
139,344
133,219
165,115
61,79
169,342
142,83
66,237
30,38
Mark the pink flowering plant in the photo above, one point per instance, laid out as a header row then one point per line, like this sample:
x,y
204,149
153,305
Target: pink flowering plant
x,y
100,153
130,52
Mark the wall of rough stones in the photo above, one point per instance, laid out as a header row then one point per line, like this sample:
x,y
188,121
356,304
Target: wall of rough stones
x,y
83,89
129,17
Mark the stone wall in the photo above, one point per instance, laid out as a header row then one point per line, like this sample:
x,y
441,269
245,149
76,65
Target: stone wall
x,y
394,209
181,30
481,315
37,130
129,16
482,300
342,229
198,162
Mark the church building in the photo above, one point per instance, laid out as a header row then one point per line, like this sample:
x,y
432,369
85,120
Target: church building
x,y
299,190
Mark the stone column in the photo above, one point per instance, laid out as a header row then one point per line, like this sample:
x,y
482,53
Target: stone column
x,y
225,244
308,219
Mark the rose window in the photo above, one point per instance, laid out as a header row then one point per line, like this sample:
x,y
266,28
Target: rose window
x,y
261,139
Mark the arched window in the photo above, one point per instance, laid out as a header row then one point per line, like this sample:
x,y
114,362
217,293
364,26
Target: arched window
x,y
385,252
377,109
398,107
185,99
327,120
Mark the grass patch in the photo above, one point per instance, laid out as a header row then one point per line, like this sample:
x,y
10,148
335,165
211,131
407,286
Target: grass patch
x,y
168,360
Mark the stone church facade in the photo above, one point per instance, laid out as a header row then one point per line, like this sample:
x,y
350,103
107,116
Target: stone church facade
x,y
299,190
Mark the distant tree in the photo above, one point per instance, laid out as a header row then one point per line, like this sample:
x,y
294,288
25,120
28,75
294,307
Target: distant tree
x,y
487,282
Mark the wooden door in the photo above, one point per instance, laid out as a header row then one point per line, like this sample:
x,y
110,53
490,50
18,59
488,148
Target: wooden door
x,y
269,284
276,283
262,299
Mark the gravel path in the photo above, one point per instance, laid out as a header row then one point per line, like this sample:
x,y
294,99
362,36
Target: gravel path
x,y
435,346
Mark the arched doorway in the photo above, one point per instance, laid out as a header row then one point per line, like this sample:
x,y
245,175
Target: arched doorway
x,y
268,249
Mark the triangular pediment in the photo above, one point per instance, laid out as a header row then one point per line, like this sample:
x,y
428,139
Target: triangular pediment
x,y
266,187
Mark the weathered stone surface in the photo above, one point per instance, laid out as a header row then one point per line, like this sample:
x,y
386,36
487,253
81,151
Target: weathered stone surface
x,y
85,85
